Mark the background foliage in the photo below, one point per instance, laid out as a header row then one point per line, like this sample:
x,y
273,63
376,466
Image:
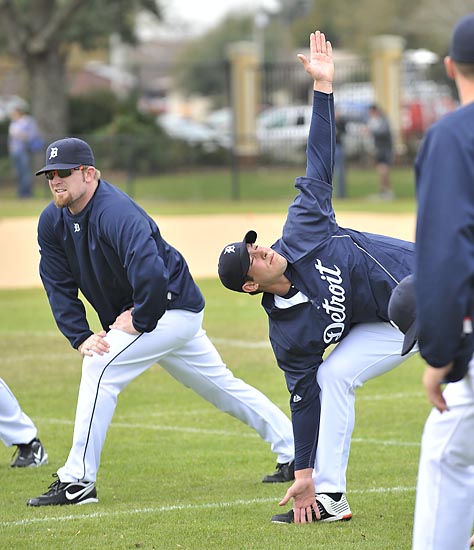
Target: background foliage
x,y
41,36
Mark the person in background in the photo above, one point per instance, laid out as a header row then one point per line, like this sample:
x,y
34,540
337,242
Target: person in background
x,y
23,140
16,428
339,155
380,131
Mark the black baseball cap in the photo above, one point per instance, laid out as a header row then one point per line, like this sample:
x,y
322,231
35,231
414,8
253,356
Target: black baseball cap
x,y
462,41
69,152
402,311
234,262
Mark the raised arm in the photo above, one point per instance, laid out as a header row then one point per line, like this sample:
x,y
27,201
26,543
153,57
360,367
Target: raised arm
x,y
311,217
320,66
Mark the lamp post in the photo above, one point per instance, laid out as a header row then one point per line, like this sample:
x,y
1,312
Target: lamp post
x,y
259,23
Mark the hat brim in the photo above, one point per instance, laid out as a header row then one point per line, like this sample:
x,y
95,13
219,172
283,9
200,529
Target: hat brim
x,y
249,238
62,166
244,260
410,339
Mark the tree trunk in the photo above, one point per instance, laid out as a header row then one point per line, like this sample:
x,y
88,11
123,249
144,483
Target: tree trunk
x,y
39,34
49,94
36,40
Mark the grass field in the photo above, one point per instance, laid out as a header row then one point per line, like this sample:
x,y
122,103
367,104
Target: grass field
x,y
178,474
209,191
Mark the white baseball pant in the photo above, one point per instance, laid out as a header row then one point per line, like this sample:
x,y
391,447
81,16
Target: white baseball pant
x,y
369,350
181,347
444,509
15,426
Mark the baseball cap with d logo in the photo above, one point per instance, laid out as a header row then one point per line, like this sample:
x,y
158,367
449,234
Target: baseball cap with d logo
x,y
234,262
67,153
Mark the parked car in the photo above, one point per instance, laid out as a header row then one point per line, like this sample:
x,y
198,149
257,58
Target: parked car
x,y
423,104
192,132
282,132
221,120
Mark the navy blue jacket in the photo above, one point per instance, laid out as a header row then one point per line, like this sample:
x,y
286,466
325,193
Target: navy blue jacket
x,y
114,254
445,235
346,277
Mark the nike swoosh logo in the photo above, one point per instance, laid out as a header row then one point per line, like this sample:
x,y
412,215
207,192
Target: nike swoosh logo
x,y
87,489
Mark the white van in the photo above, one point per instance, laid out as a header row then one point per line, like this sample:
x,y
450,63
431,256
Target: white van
x,y
282,132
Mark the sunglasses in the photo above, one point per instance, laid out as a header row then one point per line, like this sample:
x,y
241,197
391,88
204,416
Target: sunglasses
x,y
64,173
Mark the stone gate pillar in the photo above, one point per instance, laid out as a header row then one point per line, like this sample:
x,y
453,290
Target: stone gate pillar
x,y
243,57
386,75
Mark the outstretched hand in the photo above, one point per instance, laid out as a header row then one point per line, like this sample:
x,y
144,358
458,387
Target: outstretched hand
x,y
304,500
320,66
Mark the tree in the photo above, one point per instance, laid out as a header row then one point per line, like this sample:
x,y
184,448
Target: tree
x,y
348,24
40,35
200,66
433,22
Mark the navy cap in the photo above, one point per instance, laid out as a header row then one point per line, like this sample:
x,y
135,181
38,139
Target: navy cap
x,y
462,41
234,262
67,153
402,311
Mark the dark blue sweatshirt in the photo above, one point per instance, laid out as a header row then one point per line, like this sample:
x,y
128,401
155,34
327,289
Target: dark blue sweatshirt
x,y
345,277
445,235
114,254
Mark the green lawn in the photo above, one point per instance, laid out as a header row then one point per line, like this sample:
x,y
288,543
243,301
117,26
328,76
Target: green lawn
x,y
211,191
178,474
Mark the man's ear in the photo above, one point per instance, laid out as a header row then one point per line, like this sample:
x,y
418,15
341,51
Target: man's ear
x,y
90,173
250,286
449,67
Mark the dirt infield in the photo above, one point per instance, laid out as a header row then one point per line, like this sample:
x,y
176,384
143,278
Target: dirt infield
x,y
199,238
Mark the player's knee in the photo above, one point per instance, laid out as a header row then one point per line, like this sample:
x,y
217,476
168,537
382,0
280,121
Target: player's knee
x,y
335,374
95,362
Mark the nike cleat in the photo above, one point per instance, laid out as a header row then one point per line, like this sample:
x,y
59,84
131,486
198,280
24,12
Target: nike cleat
x,y
331,508
68,492
30,455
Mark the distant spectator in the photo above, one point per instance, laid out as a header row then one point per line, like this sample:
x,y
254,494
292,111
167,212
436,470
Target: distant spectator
x,y
23,140
379,128
339,156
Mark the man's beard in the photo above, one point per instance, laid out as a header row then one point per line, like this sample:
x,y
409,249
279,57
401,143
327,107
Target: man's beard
x,y
62,200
